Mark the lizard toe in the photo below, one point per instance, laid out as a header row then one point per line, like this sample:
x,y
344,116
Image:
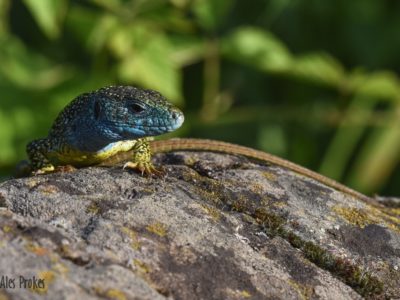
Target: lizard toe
x,y
44,170
145,169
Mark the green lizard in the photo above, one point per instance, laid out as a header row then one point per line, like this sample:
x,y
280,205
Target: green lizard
x,y
113,124
98,125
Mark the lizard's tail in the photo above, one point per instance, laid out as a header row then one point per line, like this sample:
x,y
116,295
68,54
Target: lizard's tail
x,y
224,147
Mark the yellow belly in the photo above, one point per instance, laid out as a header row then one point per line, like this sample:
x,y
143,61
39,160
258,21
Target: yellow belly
x,y
78,158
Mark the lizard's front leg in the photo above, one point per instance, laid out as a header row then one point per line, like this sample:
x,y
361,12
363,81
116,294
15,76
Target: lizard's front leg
x,y
141,159
39,162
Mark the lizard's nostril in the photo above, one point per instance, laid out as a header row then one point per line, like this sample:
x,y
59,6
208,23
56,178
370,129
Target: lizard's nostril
x,y
176,114
177,117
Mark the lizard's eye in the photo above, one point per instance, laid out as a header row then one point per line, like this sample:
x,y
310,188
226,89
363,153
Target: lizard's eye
x,y
136,108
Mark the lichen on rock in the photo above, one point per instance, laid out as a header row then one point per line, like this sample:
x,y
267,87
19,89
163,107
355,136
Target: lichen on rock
x,y
221,227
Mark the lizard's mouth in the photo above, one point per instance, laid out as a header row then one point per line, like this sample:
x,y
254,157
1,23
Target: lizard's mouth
x,y
153,127
167,123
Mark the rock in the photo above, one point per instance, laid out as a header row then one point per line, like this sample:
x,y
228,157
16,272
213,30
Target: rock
x,y
215,227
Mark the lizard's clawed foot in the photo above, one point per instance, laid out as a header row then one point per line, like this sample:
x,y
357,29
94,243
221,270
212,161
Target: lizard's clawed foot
x,y
146,169
44,170
52,169
65,169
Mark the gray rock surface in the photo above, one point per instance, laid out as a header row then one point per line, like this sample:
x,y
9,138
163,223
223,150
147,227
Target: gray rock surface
x,y
216,227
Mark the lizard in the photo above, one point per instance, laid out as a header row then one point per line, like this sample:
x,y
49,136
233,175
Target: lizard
x,y
98,125
117,123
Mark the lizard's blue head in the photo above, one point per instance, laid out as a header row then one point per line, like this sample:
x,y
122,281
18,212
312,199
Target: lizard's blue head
x,y
125,112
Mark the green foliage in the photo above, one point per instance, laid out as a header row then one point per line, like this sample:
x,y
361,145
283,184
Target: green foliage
x,y
48,15
28,69
314,83
257,48
210,14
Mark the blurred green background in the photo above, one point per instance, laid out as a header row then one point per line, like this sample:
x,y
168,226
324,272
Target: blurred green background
x,y
313,81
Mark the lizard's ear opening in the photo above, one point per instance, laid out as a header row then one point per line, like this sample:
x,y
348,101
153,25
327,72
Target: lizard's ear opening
x,y
97,110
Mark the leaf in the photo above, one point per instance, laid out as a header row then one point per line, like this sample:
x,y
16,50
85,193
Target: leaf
x,y
383,84
187,50
28,69
347,137
150,64
122,41
103,30
87,26
211,13
257,48
4,11
319,68
379,156
112,5
48,14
